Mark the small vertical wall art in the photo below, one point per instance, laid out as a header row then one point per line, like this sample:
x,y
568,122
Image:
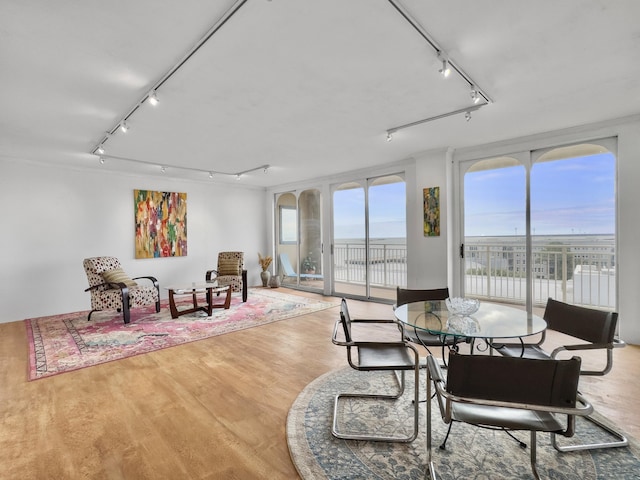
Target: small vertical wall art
x,y
431,211
161,224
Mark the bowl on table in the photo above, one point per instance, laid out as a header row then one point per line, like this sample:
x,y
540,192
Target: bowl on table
x,y
462,306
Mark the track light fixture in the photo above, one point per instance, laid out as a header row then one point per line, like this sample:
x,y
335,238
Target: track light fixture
x,y
475,95
445,69
124,126
153,98
163,169
467,116
102,160
100,149
389,136
210,174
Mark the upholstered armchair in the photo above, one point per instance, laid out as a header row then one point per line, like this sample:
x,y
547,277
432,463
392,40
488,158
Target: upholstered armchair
x,y
112,289
230,271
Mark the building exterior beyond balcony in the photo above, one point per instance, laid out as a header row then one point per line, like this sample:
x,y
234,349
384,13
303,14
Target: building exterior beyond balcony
x,y
576,269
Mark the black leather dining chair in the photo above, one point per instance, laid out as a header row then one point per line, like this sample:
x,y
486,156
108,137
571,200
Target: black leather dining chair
x,y
507,393
590,329
367,355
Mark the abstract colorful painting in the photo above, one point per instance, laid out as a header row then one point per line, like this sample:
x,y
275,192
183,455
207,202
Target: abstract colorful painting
x,y
431,212
161,224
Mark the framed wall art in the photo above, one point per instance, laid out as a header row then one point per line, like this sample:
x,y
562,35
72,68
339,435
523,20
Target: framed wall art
x,y
161,224
431,212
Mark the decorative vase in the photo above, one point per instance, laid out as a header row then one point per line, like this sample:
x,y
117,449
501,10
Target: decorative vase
x,y
275,281
265,275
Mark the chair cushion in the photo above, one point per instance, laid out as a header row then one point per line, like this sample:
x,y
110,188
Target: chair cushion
x,y
229,266
118,275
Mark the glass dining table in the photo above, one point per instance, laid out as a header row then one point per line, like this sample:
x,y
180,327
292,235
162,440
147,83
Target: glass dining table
x,y
491,323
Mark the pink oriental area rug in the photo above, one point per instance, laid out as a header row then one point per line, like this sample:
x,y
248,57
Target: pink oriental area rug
x,y
62,343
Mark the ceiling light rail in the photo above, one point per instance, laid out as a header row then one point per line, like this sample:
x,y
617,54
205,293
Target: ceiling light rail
x,y
151,96
165,167
467,113
479,97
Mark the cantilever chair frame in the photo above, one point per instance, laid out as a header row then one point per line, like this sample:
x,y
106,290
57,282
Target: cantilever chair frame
x,y
505,411
598,328
370,357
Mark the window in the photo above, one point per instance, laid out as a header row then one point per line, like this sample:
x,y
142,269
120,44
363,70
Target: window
x,y
288,225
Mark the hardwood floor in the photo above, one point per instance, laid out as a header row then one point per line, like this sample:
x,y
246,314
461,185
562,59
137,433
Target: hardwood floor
x,y
211,409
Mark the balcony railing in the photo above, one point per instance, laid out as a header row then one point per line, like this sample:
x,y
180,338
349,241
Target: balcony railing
x,y
388,264
576,273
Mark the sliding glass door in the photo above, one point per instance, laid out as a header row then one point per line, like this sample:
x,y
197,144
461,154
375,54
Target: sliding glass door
x,y
541,224
299,249
369,237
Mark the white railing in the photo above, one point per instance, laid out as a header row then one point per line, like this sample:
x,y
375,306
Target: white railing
x,y
575,273
387,264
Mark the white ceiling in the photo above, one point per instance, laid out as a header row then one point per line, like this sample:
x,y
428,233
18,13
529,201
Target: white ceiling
x,y
307,86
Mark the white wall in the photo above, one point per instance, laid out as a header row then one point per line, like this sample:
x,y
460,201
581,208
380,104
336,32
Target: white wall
x,y
428,265
52,219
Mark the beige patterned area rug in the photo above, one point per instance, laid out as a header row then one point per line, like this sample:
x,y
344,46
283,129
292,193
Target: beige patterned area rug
x,y
471,452
62,343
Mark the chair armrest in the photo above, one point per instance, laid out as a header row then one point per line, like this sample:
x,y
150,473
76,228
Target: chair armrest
x,y
583,406
154,280
207,276
107,284
581,346
382,321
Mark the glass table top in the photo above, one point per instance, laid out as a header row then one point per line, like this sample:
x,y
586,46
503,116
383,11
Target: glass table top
x,y
492,320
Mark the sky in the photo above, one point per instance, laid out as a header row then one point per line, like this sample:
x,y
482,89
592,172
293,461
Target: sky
x,y
570,196
387,212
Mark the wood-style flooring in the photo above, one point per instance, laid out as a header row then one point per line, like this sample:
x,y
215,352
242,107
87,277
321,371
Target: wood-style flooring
x,y
211,409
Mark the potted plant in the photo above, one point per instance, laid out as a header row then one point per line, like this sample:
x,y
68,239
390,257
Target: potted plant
x,y
308,265
265,275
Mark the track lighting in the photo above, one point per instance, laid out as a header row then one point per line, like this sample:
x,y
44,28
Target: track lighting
x,y
163,169
100,149
101,160
467,116
153,98
266,169
475,94
389,136
238,176
445,69
150,93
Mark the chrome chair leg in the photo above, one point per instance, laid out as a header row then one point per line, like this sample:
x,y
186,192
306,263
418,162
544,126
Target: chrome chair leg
x,y
400,382
621,442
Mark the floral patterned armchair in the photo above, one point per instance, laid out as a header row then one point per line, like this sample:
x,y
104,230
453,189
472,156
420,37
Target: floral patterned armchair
x,y
112,289
230,271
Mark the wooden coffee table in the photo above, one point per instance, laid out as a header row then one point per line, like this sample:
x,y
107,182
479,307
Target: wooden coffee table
x,y
209,288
